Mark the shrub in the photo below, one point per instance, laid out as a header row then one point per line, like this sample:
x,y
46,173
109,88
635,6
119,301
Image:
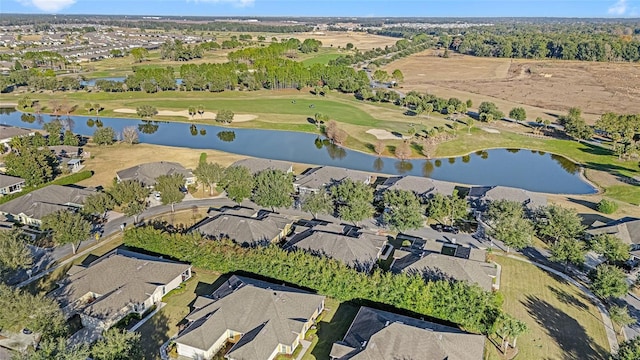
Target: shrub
x,y
468,305
607,206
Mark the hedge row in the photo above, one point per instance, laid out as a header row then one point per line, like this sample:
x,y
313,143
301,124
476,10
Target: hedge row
x,y
66,180
469,306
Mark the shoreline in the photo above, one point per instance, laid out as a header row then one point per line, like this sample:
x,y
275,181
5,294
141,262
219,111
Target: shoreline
x,y
581,172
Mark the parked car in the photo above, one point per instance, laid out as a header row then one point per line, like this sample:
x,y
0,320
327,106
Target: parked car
x,y
156,195
451,229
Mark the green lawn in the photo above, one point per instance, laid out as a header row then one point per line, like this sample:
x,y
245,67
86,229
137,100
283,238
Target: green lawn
x,y
332,326
321,58
164,324
563,323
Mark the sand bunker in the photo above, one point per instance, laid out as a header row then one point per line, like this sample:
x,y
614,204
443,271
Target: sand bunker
x,y
490,130
383,134
207,115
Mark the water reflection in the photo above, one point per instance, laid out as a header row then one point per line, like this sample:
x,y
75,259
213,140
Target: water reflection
x,y
318,143
90,122
427,168
193,129
335,151
203,132
227,136
378,164
466,159
148,127
403,167
568,165
452,160
513,151
28,118
438,163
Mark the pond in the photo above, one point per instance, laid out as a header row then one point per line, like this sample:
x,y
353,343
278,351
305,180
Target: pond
x,y
526,169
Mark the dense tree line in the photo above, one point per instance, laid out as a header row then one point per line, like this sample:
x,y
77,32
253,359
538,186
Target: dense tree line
x,y
624,131
468,305
402,48
176,50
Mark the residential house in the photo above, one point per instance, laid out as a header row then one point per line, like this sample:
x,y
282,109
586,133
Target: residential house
x,y
10,184
351,245
439,260
148,173
29,209
9,132
421,186
381,335
626,229
317,178
66,151
117,284
256,165
260,319
481,196
244,226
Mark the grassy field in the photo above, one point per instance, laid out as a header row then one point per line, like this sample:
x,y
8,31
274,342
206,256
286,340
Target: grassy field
x,y
563,323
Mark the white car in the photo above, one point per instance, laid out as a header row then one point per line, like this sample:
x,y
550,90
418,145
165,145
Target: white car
x,y
156,195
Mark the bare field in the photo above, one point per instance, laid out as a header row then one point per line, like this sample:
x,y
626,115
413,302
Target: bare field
x,y
362,41
546,87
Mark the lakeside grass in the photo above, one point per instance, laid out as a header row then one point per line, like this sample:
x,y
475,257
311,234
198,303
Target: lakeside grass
x,y
562,321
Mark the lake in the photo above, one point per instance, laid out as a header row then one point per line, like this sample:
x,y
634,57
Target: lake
x,y
526,169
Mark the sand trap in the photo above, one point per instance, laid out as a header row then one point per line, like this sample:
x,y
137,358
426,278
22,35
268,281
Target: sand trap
x,y
383,134
490,130
207,115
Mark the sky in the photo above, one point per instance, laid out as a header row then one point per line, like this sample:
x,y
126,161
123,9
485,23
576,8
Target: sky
x,y
360,8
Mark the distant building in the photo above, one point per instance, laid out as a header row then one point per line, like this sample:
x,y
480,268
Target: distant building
x,y
10,184
29,209
481,196
626,229
421,186
148,173
317,178
381,335
256,165
9,132
244,226
257,319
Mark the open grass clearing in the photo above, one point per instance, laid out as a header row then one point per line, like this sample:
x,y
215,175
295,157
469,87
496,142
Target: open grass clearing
x,y
563,323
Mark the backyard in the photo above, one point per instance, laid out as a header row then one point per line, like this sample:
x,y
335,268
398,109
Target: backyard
x,y
562,321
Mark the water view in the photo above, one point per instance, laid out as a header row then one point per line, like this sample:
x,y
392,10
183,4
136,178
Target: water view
x,y
526,169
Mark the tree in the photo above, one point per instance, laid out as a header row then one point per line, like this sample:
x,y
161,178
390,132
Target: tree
x,y
273,188
130,135
224,116
200,110
14,253
54,128
555,222
192,111
97,108
490,111
379,147
54,349
318,203
104,136
89,107
608,281
518,113
67,227
139,53
611,247
209,173
340,137
568,251
607,206
238,183
469,125
380,76
25,102
447,209
574,124
397,76
353,199
403,210
70,139
117,344
35,166
403,151
145,111
170,188
620,316
629,350
508,223
98,204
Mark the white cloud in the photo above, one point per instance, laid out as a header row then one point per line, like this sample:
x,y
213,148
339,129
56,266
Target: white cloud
x,y
48,5
238,3
619,8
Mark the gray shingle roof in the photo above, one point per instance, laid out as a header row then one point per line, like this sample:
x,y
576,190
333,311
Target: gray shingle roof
x,y
7,180
434,264
120,278
243,229
320,177
266,314
418,185
359,251
148,173
255,165
7,132
627,229
46,200
491,193
381,335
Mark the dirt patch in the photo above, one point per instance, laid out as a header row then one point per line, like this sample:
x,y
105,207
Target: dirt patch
x,y
547,88
490,130
362,41
207,115
382,134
